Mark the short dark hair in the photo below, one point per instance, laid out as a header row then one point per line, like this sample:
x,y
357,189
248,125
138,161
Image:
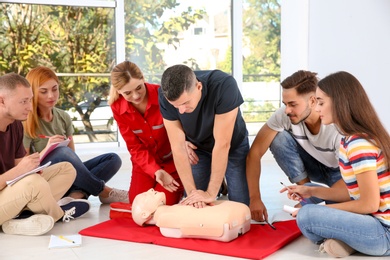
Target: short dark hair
x,y
10,81
175,80
303,81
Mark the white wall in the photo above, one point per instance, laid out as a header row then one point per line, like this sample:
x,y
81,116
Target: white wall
x,y
326,36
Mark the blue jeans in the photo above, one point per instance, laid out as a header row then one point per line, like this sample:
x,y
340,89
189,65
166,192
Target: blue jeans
x,y
297,164
364,233
92,174
235,172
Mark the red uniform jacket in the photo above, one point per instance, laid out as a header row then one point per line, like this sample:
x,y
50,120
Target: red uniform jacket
x,y
145,135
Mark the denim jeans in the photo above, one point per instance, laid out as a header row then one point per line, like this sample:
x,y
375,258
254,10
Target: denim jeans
x,y
235,172
92,174
297,164
364,233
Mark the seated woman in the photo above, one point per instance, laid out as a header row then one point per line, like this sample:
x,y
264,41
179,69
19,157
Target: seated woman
x,y
46,120
222,221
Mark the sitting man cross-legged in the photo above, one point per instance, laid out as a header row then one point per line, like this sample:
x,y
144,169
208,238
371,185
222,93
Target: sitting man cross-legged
x,y
37,194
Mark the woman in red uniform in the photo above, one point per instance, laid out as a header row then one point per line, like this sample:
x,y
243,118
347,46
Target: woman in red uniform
x,y
135,107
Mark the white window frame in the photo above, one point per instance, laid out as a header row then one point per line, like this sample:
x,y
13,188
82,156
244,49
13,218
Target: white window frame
x,y
120,32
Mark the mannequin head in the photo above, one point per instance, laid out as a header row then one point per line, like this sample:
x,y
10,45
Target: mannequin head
x,y
145,204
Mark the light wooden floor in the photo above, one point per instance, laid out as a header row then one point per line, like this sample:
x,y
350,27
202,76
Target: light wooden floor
x,y
23,247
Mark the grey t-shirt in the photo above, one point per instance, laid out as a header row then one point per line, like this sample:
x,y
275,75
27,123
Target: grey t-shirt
x,y
323,146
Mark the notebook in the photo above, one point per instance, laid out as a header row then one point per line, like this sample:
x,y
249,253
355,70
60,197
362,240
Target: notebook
x,y
64,241
10,182
54,146
276,216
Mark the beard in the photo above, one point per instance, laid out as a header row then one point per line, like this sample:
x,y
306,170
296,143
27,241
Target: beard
x,y
303,116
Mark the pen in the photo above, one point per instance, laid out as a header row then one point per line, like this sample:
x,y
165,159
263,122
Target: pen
x,y
293,192
66,239
32,148
272,226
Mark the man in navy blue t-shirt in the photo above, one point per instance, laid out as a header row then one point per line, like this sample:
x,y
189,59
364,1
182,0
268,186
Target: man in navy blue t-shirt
x,y
207,132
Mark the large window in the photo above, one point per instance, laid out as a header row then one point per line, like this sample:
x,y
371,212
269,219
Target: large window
x,y
78,43
82,40
164,33
261,61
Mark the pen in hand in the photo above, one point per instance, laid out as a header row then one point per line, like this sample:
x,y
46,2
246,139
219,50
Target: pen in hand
x,y
295,194
32,149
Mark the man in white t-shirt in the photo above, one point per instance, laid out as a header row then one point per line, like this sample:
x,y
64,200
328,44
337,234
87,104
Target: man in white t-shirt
x,y
305,149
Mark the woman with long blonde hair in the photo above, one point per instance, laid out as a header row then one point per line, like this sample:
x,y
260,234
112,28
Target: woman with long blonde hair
x,y
134,104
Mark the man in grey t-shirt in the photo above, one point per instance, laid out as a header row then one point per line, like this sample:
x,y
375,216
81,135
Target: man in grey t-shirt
x,y
305,149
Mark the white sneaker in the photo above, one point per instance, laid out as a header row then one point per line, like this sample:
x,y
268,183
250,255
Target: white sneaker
x,y
115,195
32,226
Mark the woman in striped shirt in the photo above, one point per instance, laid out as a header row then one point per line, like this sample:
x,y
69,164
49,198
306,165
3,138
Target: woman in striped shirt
x,y
360,221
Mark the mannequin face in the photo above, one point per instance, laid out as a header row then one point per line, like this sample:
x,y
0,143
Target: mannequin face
x,y
152,199
145,204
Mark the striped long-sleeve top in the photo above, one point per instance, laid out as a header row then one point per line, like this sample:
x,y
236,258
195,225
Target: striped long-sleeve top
x,y
357,156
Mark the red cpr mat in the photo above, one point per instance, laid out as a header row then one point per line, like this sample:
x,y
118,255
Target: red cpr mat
x,y
259,242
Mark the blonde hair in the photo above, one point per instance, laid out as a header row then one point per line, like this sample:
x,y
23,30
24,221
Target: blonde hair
x,y
121,75
36,77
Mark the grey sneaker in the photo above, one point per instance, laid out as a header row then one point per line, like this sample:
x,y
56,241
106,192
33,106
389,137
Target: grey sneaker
x,y
115,195
32,226
336,248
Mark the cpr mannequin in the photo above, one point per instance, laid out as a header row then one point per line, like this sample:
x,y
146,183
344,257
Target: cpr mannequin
x,y
223,221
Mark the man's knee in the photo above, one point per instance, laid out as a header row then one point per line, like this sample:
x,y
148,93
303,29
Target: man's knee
x,y
283,140
67,167
61,169
31,185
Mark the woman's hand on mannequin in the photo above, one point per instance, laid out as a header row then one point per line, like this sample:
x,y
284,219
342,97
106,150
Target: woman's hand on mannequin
x,y
192,156
166,180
